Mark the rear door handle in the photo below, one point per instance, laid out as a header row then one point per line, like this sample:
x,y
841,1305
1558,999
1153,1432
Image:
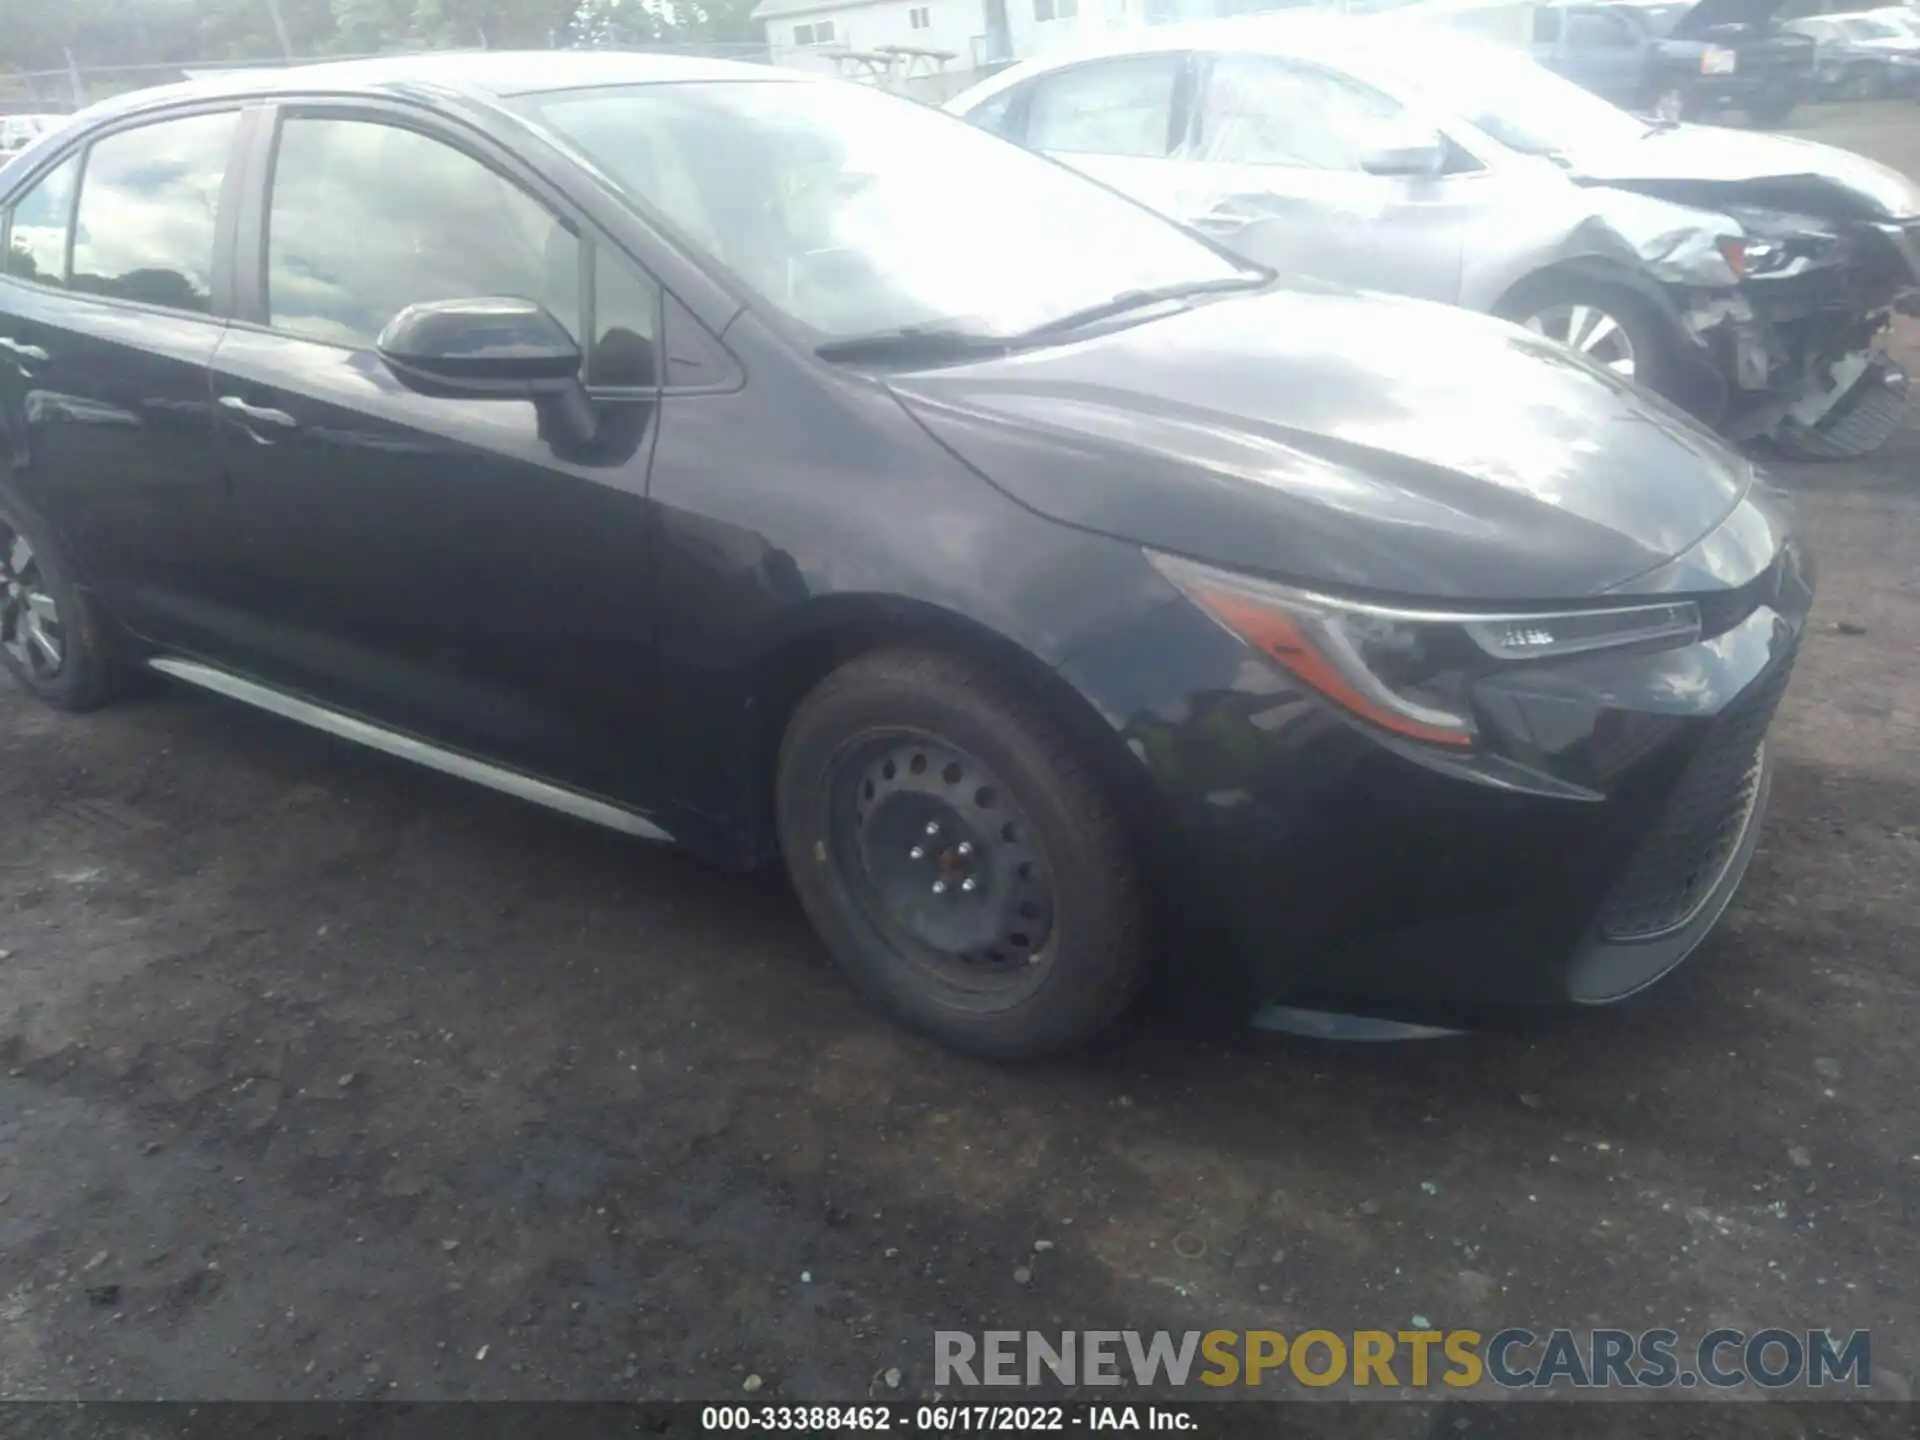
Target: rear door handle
x,y
258,414
23,352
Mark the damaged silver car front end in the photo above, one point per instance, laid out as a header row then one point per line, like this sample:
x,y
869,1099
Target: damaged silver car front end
x,y
1746,277
1790,310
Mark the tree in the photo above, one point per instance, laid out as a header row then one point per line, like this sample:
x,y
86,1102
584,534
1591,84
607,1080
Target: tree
x,y
37,35
600,23
362,27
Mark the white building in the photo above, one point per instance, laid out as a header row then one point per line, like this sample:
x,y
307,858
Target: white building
x,y
978,34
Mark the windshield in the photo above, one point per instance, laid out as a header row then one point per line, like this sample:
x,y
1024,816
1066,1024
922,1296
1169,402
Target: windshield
x,y
1862,28
856,213
1503,93
1662,18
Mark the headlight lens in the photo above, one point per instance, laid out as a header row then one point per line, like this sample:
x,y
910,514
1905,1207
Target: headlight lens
x,y
1695,255
1410,671
1775,242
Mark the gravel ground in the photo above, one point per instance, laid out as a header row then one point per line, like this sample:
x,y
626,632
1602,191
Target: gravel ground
x,y
324,1077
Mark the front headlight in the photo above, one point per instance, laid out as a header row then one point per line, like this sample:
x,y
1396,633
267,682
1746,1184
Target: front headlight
x,y
1404,670
1775,242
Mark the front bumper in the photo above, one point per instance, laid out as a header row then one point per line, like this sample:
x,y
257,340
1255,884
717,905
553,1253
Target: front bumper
x,y
1309,864
1781,342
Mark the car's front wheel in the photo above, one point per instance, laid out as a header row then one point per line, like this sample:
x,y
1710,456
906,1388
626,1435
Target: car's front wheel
x,y
962,861
1608,325
50,636
1863,82
1671,105
1773,108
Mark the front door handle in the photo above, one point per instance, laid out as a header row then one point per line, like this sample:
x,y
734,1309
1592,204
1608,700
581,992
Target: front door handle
x,y
1229,213
23,352
258,414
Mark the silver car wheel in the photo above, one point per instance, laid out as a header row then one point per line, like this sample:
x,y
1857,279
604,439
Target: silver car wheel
x,y
1590,330
29,618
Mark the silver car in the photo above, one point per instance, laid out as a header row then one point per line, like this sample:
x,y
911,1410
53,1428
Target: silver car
x,y
1747,277
1862,56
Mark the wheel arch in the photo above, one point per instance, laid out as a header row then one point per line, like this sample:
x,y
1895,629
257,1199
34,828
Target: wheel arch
x,y
73,557
833,630
1592,269
1701,389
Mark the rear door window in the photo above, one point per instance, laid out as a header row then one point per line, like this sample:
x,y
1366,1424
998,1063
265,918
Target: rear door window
x,y
996,114
149,205
1108,107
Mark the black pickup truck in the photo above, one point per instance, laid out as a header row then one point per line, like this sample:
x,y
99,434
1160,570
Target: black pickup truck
x,y
1679,60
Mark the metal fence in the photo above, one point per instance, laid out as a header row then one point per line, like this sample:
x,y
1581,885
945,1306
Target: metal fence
x,y
907,72
922,74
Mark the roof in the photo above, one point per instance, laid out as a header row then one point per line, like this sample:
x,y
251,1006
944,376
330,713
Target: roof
x,y
1284,32
496,73
1302,34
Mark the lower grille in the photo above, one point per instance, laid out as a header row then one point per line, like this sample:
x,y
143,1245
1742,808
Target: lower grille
x,y
1859,424
1689,848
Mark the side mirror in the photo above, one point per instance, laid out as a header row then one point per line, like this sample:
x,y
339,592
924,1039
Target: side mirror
x,y
1412,155
487,348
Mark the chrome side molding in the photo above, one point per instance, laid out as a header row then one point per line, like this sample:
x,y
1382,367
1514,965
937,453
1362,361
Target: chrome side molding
x,y
406,747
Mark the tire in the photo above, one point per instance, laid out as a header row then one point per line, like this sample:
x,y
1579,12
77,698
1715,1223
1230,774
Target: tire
x,y
1771,110
1863,83
42,612
1670,104
1534,303
901,740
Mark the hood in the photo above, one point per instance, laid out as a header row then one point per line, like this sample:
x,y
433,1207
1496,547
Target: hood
x,y
1710,166
1364,442
1711,14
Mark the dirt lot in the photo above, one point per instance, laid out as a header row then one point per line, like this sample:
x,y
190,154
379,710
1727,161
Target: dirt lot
x,y
321,1076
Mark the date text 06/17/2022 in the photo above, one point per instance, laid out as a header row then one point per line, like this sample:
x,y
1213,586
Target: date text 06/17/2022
x,y
947,1419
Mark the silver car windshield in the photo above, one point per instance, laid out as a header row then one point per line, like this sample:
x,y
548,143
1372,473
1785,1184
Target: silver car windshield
x,y
1502,93
1862,27
855,213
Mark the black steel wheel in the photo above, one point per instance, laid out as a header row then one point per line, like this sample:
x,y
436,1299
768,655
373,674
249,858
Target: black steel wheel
x,y
1773,107
962,862
933,845
50,639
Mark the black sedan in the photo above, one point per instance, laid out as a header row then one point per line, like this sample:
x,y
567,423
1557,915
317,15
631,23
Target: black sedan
x,y
780,469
